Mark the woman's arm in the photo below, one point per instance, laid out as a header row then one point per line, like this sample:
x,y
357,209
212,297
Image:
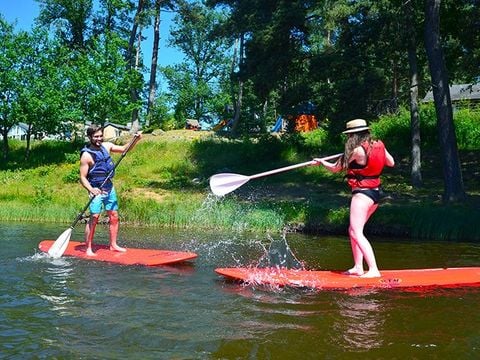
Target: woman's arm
x,y
333,167
389,161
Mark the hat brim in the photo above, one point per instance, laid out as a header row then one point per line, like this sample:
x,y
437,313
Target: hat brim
x,y
357,129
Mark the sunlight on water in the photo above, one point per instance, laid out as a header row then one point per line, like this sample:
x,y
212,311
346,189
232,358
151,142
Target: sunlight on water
x,y
57,273
363,322
70,308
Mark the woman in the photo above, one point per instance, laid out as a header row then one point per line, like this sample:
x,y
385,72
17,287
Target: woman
x,y
363,160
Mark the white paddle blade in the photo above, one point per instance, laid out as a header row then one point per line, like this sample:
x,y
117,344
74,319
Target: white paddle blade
x,y
222,184
60,245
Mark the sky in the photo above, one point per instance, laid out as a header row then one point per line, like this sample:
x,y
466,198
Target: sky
x,y
24,12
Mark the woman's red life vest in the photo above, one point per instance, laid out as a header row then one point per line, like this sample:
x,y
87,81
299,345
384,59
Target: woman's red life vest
x,y
369,176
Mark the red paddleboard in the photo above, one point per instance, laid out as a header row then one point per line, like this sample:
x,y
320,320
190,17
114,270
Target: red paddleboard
x,y
447,277
132,256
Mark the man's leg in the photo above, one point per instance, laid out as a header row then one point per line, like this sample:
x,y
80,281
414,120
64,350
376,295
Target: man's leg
x,y
90,232
113,227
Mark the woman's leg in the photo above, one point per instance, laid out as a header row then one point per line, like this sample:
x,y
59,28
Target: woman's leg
x,y
361,208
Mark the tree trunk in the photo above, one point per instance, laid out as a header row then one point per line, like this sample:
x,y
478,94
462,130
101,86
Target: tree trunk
x,y
153,70
238,103
394,104
454,190
29,134
132,62
133,92
5,131
133,35
416,155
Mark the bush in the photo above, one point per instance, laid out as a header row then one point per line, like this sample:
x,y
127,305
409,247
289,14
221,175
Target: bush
x,y
467,129
395,129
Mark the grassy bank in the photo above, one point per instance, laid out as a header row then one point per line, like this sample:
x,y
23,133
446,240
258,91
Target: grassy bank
x,y
164,182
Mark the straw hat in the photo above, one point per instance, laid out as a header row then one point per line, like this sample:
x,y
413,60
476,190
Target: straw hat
x,y
356,125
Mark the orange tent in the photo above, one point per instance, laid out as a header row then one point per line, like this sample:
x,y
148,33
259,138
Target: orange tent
x,y
305,122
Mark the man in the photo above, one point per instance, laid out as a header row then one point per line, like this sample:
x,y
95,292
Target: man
x,y
95,167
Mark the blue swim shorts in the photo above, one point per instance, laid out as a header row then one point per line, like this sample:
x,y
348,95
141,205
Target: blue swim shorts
x,y
108,201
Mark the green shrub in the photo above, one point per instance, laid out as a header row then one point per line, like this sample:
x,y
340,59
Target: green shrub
x,y
467,129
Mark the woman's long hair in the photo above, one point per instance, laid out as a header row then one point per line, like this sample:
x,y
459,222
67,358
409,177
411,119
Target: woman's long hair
x,y
354,140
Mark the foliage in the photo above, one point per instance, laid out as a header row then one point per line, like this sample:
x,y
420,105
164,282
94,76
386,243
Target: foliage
x,y
196,83
12,60
395,129
164,182
467,128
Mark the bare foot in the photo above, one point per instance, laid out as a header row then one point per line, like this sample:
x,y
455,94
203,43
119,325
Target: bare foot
x,y
354,271
117,248
89,252
371,274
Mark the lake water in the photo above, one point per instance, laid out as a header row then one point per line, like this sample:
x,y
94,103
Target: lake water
x,y
76,309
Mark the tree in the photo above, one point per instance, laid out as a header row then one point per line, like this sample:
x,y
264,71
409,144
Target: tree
x,y
133,59
12,60
416,162
70,19
197,81
454,190
152,85
40,99
461,39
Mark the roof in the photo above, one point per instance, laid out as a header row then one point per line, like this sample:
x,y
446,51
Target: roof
x,y
192,122
23,126
459,92
118,126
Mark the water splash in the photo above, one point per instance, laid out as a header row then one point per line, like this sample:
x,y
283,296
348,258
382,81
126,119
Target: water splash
x,y
45,258
280,255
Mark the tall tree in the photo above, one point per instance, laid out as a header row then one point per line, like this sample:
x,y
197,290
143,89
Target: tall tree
x,y
237,59
205,66
70,19
461,39
12,60
153,67
453,182
133,55
414,79
41,99
152,85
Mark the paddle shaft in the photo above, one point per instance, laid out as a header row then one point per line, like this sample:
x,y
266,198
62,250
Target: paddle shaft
x,y
79,216
291,167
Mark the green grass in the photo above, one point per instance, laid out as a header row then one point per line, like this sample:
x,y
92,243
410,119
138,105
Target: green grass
x,y
164,182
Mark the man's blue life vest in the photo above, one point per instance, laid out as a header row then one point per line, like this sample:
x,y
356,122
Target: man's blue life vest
x,y
103,165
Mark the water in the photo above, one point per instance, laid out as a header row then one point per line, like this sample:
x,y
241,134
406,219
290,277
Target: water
x,y
70,308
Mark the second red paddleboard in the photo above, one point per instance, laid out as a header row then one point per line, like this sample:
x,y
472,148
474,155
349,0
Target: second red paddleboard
x,y
447,277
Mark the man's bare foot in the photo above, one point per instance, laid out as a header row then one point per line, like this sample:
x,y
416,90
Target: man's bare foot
x,y
89,252
117,248
354,271
371,274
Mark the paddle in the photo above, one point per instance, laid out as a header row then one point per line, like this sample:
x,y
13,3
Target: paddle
x,y
60,245
222,184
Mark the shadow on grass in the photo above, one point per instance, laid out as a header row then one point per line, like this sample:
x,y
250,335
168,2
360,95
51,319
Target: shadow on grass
x,y
41,153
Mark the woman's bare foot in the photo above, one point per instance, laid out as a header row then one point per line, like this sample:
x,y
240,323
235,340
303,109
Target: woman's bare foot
x,y
89,252
117,248
371,274
354,271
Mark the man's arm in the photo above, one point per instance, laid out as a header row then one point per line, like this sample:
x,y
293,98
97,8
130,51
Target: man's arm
x,y
120,148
